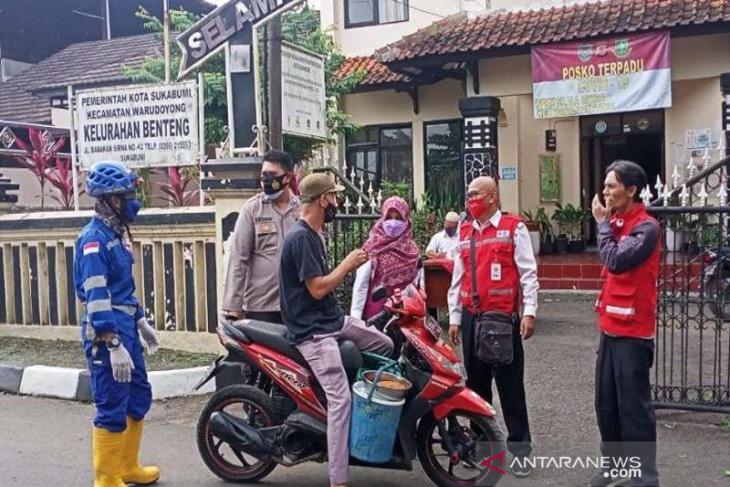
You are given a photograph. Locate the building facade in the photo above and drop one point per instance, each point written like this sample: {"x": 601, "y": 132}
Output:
{"x": 408, "y": 100}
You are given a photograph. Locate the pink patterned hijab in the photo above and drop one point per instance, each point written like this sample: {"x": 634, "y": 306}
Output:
{"x": 394, "y": 260}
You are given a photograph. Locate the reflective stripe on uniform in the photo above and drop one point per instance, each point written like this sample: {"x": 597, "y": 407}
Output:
{"x": 618, "y": 310}
{"x": 90, "y": 333}
{"x": 94, "y": 282}
{"x": 126, "y": 309}
{"x": 110, "y": 245}
{"x": 465, "y": 243}
{"x": 99, "y": 306}
{"x": 500, "y": 291}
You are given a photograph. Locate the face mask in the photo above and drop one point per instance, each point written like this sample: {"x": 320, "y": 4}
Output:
{"x": 273, "y": 186}
{"x": 450, "y": 231}
{"x": 394, "y": 228}
{"x": 330, "y": 212}
{"x": 131, "y": 208}
{"x": 476, "y": 207}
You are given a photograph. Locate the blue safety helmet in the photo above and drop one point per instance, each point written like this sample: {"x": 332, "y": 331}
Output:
{"x": 110, "y": 178}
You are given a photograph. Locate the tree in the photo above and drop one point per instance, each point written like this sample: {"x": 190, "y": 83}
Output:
{"x": 300, "y": 27}
{"x": 152, "y": 70}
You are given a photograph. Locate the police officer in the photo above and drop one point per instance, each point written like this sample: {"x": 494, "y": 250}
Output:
{"x": 112, "y": 325}
{"x": 628, "y": 242}
{"x": 252, "y": 278}
{"x": 505, "y": 269}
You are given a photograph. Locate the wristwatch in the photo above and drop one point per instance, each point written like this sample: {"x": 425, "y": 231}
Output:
{"x": 114, "y": 343}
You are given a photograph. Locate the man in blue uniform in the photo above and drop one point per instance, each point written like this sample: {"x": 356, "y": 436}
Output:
{"x": 113, "y": 328}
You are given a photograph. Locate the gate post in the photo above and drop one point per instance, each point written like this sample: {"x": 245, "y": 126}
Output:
{"x": 479, "y": 148}
{"x": 725, "y": 87}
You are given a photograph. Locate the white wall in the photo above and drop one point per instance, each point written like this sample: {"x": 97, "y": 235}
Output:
{"x": 696, "y": 103}
{"x": 361, "y": 41}
{"x": 10, "y": 68}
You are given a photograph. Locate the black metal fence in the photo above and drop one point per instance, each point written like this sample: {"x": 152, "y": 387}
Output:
{"x": 692, "y": 355}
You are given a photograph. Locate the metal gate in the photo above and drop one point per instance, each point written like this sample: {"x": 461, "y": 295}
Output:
{"x": 692, "y": 354}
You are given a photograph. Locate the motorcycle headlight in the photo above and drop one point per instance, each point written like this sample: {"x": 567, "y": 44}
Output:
{"x": 457, "y": 368}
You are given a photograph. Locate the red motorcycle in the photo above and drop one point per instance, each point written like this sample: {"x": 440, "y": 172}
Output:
{"x": 244, "y": 432}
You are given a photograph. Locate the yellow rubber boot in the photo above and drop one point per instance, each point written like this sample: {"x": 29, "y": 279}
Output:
{"x": 107, "y": 448}
{"x": 132, "y": 472}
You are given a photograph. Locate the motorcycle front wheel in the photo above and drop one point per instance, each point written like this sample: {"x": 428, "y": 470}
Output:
{"x": 250, "y": 404}
{"x": 717, "y": 292}
{"x": 474, "y": 438}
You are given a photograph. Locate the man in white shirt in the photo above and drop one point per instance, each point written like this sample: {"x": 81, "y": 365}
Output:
{"x": 505, "y": 268}
{"x": 444, "y": 243}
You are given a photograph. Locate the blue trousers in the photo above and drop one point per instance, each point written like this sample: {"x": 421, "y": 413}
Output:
{"x": 116, "y": 400}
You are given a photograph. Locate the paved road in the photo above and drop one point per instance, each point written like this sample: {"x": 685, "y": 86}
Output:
{"x": 46, "y": 442}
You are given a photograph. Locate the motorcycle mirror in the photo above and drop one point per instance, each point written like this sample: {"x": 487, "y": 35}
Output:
{"x": 380, "y": 293}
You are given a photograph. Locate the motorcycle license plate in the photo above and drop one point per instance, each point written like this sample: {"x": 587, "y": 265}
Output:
{"x": 433, "y": 327}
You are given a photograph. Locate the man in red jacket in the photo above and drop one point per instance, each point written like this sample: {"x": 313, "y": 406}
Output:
{"x": 505, "y": 277}
{"x": 628, "y": 241}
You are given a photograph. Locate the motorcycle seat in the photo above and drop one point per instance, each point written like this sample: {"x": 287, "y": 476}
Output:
{"x": 273, "y": 335}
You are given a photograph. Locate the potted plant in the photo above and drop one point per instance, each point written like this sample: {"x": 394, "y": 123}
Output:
{"x": 561, "y": 241}
{"x": 547, "y": 243}
{"x": 674, "y": 238}
{"x": 674, "y": 224}
{"x": 574, "y": 217}
{"x": 533, "y": 226}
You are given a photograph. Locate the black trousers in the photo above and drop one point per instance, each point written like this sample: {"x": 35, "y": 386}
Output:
{"x": 623, "y": 402}
{"x": 269, "y": 316}
{"x": 510, "y": 381}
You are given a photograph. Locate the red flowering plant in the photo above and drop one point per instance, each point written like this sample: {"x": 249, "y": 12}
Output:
{"x": 61, "y": 177}
{"x": 177, "y": 190}
{"x": 38, "y": 155}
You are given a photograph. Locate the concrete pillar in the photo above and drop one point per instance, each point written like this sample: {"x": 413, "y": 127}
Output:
{"x": 233, "y": 182}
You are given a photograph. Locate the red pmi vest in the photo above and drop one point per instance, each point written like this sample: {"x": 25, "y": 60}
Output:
{"x": 627, "y": 303}
{"x": 497, "y": 276}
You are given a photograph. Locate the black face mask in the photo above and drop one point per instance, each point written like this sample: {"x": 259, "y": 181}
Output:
{"x": 273, "y": 185}
{"x": 330, "y": 212}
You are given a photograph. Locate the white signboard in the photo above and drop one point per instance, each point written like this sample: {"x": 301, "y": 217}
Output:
{"x": 140, "y": 126}
{"x": 303, "y": 93}
{"x": 697, "y": 138}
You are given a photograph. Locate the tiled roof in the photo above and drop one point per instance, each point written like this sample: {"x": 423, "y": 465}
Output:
{"x": 375, "y": 72}
{"x": 460, "y": 34}
{"x": 83, "y": 64}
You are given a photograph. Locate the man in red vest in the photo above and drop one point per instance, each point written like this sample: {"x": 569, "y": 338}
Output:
{"x": 505, "y": 270}
{"x": 628, "y": 241}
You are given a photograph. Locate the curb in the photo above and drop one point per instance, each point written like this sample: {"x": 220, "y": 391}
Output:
{"x": 75, "y": 384}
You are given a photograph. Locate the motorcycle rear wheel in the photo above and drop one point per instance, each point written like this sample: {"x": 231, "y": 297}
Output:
{"x": 257, "y": 407}
{"x": 466, "y": 430}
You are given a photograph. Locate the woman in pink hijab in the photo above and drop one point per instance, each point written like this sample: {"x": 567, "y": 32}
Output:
{"x": 393, "y": 261}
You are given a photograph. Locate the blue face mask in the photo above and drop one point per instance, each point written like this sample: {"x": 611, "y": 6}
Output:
{"x": 131, "y": 208}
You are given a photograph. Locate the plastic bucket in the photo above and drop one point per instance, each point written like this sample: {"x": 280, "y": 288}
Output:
{"x": 374, "y": 425}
